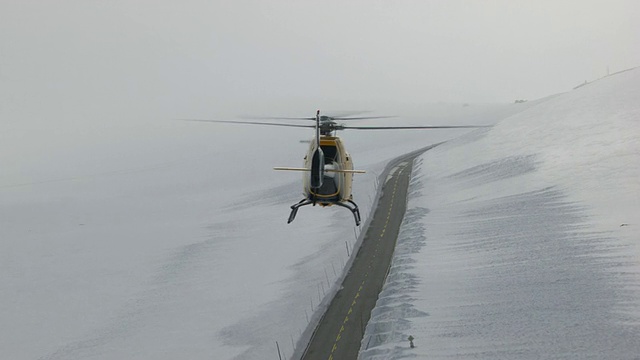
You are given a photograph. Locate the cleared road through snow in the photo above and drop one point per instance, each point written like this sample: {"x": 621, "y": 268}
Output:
{"x": 339, "y": 334}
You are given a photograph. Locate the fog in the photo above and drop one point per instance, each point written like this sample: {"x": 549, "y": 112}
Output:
{"x": 70, "y": 70}
{"x": 105, "y": 195}
{"x": 99, "y": 59}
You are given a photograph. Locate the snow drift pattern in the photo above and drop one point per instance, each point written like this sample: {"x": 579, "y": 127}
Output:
{"x": 522, "y": 253}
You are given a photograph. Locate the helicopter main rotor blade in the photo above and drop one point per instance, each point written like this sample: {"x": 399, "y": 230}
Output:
{"x": 360, "y": 117}
{"x": 250, "y": 123}
{"x": 410, "y": 127}
{"x": 345, "y": 116}
{"x": 278, "y": 118}
{"x": 326, "y": 170}
{"x": 328, "y": 117}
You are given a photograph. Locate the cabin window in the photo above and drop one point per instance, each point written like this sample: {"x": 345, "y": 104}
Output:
{"x": 330, "y": 153}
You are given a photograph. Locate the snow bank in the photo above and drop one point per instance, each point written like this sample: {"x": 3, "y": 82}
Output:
{"x": 521, "y": 241}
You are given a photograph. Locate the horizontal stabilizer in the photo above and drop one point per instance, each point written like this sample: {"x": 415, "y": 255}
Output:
{"x": 345, "y": 171}
{"x": 290, "y": 168}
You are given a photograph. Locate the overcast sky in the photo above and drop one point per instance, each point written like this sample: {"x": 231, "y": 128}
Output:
{"x": 203, "y": 58}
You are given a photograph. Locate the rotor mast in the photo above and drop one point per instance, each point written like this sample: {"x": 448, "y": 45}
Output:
{"x": 317, "y": 160}
{"x": 318, "y": 128}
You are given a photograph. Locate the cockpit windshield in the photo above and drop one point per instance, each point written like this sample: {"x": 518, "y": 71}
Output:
{"x": 330, "y": 153}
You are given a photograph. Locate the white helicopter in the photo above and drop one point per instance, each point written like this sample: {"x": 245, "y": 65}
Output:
{"x": 328, "y": 167}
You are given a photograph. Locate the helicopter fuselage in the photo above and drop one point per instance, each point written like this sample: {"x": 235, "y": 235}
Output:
{"x": 327, "y": 166}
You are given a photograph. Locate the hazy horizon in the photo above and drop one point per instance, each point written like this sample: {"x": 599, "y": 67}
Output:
{"x": 93, "y": 59}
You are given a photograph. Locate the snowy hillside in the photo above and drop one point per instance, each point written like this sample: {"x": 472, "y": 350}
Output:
{"x": 128, "y": 234}
{"x": 523, "y": 241}
{"x": 149, "y": 237}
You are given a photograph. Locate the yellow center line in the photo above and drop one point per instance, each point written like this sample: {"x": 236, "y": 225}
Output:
{"x": 353, "y": 303}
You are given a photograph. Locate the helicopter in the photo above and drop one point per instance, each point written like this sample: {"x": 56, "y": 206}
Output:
{"x": 328, "y": 168}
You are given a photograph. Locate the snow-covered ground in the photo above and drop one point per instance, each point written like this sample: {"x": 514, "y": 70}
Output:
{"x": 125, "y": 234}
{"x": 147, "y": 237}
{"x": 153, "y": 238}
{"x": 139, "y": 236}
{"x": 522, "y": 241}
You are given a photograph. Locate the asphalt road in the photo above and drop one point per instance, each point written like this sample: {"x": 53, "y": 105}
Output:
{"x": 341, "y": 329}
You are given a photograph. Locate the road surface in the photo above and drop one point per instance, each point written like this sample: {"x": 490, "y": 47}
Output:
{"x": 341, "y": 329}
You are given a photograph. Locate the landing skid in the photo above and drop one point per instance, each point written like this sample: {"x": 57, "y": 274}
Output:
{"x": 294, "y": 209}
{"x": 354, "y": 210}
